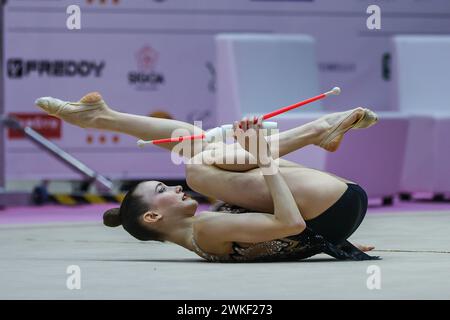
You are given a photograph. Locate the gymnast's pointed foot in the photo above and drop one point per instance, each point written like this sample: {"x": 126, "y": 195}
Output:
{"x": 83, "y": 113}
{"x": 335, "y": 125}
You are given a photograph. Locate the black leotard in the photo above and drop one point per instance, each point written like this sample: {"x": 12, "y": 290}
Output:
{"x": 326, "y": 233}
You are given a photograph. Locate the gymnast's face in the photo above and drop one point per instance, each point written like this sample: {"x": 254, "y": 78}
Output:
{"x": 166, "y": 199}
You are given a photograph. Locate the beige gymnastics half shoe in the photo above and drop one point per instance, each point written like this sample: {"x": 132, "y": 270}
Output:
{"x": 333, "y": 138}
{"x": 79, "y": 113}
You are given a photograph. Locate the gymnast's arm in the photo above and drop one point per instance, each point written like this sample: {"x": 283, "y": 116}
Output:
{"x": 259, "y": 227}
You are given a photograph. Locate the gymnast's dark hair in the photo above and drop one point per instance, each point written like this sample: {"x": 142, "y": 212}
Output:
{"x": 131, "y": 209}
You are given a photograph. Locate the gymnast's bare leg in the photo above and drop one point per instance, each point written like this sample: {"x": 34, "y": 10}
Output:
{"x": 92, "y": 112}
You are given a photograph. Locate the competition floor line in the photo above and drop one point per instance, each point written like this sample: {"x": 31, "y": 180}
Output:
{"x": 34, "y": 258}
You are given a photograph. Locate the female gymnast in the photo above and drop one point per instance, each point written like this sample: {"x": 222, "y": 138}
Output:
{"x": 290, "y": 213}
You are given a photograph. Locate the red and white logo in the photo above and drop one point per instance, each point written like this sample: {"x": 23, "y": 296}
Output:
{"x": 146, "y": 58}
{"x": 146, "y": 77}
{"x": 48, "y": 126}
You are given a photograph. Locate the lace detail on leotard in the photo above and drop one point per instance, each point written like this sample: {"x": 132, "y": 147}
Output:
{"x": 297, "y": 247}
{"x": 263, "y": 251}
{"x": 207, "y": 256}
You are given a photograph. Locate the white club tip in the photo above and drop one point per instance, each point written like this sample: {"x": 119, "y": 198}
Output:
{"x": 336, "y": 91}
{"x": 140, "y": 143}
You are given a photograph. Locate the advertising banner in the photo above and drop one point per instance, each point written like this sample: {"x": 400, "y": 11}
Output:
{"x": 156, "y": 58}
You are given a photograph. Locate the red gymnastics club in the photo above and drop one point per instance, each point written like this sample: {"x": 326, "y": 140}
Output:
{"x": 210, "y": 134}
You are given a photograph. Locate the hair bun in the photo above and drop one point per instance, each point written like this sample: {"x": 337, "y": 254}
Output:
{"x": 111, "y": 218}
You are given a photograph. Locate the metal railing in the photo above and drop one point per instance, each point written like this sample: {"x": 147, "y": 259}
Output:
{"x": 48, "y": 146}
{"x": 36, "y": 138}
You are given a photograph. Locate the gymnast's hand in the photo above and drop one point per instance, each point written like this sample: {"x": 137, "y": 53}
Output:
{"x": 250, "y": 135}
